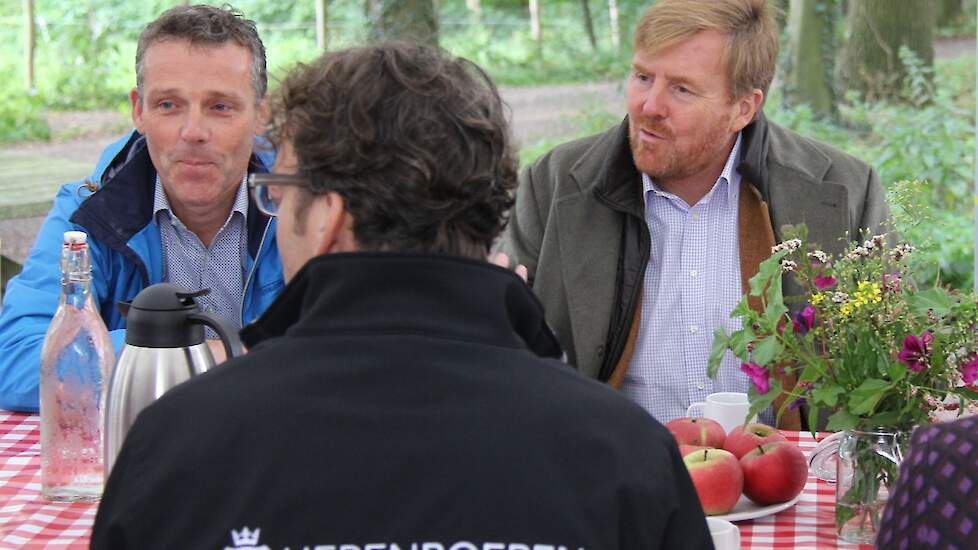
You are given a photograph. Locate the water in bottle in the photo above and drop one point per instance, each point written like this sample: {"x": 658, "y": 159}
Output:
{"x": 76, "y": 364}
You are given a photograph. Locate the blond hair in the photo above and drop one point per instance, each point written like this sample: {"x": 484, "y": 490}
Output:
{"x": 749, "y": 25}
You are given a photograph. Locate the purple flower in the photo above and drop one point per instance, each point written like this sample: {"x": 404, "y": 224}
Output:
{"x": 969, "y": 370}
{"x": 804, "y": 320}
{"x": 824, "y": 281}
{"x": 758, "y": 375}
{"x": 916, "y": 350}
{"x": 796, "y": 403}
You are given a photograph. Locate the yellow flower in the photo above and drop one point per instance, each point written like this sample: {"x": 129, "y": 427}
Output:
{"x": 817, "y": 298}
{"x": 847, "y": 308}
{"x": 868, "y": 293}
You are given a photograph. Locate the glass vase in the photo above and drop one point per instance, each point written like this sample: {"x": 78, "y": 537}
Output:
{"x": 867, "y": 470}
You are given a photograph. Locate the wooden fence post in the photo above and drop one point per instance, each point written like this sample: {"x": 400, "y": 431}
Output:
{"x": 30, "y": 42}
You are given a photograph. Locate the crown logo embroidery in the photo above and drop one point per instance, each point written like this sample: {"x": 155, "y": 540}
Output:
{"x": 246, "y": 539}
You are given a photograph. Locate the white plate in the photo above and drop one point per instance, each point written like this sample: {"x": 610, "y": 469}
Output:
{"x": 748, "y": 509}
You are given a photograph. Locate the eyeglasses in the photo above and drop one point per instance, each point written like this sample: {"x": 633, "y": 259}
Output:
{"x": 267, "y": 192}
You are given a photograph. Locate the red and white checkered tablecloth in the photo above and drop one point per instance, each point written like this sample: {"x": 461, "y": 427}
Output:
{"x": 809, "y": 524}
{"x": 28, "y": 521}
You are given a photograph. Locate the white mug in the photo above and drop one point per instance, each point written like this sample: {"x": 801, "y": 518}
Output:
{"x": 728, "y": 408}
{"x": 725, "y": 535}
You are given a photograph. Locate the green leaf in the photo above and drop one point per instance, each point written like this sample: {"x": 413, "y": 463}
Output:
{"x": 743, "y": 310}
{"x": 897, "y": 371}
{"x": 842, "y": 420}
{"x": 767, "y": 350}
{"x": 775, "y": 310}
{"x": 937, "y": 355}
{"x": 810, "y": 374}
{"x": 863, "y": 399}
{"x": 759, "y": 402}
{"x": 812, "y": 417}
{"x": 967, "y": 393}
{"x": 935, "y": 299}
{"x": 827, "y": 395}
{"x": 720, "y": 344}
{"x": 843, "y": 514}
{"x": 768, "y": 269}
{"x": 799, "y": 231}
{"x": 739, "y": 340}
{"x": 888, "y": 418}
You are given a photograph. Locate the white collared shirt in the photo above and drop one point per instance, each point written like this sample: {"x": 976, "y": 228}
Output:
{"x": 692, "y": 283}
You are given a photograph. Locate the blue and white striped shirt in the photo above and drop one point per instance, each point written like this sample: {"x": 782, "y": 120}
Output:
{"x": 692, "y": 283}
{"x": 219, "y": 267}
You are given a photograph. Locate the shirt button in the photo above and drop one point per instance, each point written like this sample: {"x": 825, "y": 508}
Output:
{"x": 700, "y": 386}
{"x": 693, "y": 273}
{"x": 693, "y": 329}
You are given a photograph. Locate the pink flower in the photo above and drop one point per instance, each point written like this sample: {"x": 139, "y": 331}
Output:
{"x": 891, "y": 282}
{"x": 804, "y": 320}
{"x": 916, "y": 351}
{"x": 758, "y": 375}
{"x": 824, "y": 281}
{"x": 969, "y": 370}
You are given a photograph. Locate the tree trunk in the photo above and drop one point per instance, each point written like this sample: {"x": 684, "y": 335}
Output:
{"x": 30, "y": 44}
{"x": 322, "y": 27}
{"x": 948, "y": 12}
{"x": 589, "y": 24}
{"x": 870, "y": 62}
{"x": 808, "y": 57}
{"x": 411, "y": 20}
{"x": 535, "y": 31}
{"x": 613, "y": 21}
{"x": 475, "y": 6}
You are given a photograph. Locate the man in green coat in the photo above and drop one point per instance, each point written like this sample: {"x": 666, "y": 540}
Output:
{"x": 640, "y": 240}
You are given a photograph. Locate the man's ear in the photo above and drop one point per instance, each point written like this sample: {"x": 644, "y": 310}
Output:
{"x": 747, "y": 106}
{"x": 331, "y": 224}
{"x": 137, "y": 109}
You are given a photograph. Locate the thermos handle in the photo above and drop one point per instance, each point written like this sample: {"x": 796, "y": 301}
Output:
{"x": 228, "y": 334}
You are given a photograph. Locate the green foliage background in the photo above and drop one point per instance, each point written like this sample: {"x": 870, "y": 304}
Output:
{"x": 922, "y": 146}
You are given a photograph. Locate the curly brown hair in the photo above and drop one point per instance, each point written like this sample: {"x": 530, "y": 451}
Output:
{"x": 414, "y": 140}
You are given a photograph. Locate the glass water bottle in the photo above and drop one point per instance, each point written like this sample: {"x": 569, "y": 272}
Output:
{"x": 76, "y": 362}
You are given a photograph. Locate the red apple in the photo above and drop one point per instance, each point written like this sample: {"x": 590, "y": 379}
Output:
{"x": 743, "y": 439}
{"x": 717, "y": 477}
{"x": 697, "y": 431}
{"x": 774, "y": 472}
{"x": 686, "y": 449}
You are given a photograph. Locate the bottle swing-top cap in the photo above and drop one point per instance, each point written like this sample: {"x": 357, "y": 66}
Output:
{"x": 76, "y": 237}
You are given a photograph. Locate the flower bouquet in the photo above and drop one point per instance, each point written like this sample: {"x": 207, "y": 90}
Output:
{"x": 864, "y": 345}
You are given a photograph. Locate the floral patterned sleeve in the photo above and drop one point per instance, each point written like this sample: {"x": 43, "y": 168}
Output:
{"x": 935, "y": 502}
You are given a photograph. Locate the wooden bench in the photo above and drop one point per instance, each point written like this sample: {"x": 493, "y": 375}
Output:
{"x": 28, "y": 184}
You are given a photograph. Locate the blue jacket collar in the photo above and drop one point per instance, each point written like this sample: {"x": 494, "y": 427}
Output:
{"x": 123, "y": 204}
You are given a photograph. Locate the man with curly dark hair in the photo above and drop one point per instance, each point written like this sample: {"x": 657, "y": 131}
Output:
{"x": 402, "y": 393}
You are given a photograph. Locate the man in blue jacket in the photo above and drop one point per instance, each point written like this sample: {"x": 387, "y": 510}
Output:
{"x": 168, "y": 202}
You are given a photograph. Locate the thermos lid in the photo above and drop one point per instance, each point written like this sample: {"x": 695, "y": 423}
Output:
{"x": 159, "y": 317}
{"x": 166, "y": 297}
